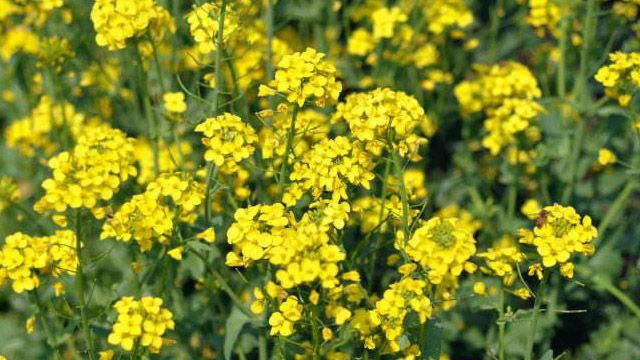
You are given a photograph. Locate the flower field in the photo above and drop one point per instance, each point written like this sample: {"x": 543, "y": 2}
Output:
{"x": 319, "y": 179}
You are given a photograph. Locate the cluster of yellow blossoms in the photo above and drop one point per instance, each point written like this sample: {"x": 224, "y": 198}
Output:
{"x": 282, "y": 322}
{"x": 94, "y": 170}
{"x": 53, "y": 51}
{"x": 502, "y": 259}
{"x": 404, "y": 296}
{"x": 117, "y": 21}
{"x": 384, "y": 117}
{"x": 141, "y": 322}
{"x": 36, "y": 131}
{"x": 309, "y": 255}
{"x": 385, "y": 20}
{"x": 545, "y": 16}
{"x": 506, "y": 93}
{"x": 442, "y": 15}
{"x": 330, "y": 166}
{"x": 148, "y": 216}
{"x": 256, "y": 230}
{"x": 621, "y": 78}
{"x": 305, "y": 76}
{"x": 559, "y": 233}
{"x": 22, "y": 257}
{"x": 441, "y": 247}
{"x": 204, "y": 24}
{"x": 228, "y": 141}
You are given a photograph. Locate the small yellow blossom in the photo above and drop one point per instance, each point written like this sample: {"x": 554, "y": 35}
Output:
{"x": 606, "y": 157}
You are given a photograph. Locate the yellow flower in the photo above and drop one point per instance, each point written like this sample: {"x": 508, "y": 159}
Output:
{"x": 30, "y": 323}
{"x": 228, "y": 141}
{"x": 208, "y": 235}
{"x": 606, "y": 157}
{"x": 80, "y": 177}
{"x": 305, "y": 76}
{"x": 560, "y": 232}
{"x": 58, "y": 288}
{"x": 204, "y": 24}
{"x": 150, "y": 216}
{"x": 23, "y": 258}
{"x": 530, "y": 208}
{"x": 385, "y": 20}
{"x": 441, "y": 246}
{"x": 402, "y": 297}
{"x": 106, "y": 355}
{"x": 522, "y": 293}
{"x": 141, "y": 321}
{"x": 117, "y": 21}
{"x": 176, "y": 253}
{"x": 479, "y": 288}
{"x": 174, "y": 102}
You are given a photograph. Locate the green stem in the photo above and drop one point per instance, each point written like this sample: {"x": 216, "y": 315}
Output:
{"x": 35, "y": 298}
{"x": 534, "y": 318}
{"x": 80, "y": 287}
{"x": 397, "y": 162}
{"x": 262, "y": 346}
{"x": 562, "y": 66}
{"x": 501, "y": 324}
{"x": 617, "y": 293}
{"x": 495, "y": 28}
{"x": 287, "y": 151}
{"x": 219, "y": 59}
{"x": 511, "y": 206}
{"x": 211, "y": 174}
{"x": 591, "y": 22}
{"x": 149, "y": 113}
{"x": 575, "y": 153}
{"x": 315, "y": 329}
{"x": 383, "y": 198}
{"x": 270, "y": 30}
{"x": 616, "y": 207}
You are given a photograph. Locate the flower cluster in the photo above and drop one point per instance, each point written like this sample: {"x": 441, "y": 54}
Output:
{"x": 442, "y": 15}
{"x": 117, "y": 21}
{"x": 545, "y": 15}
{"x": 53, "y": 51}
{"x": 149, "y": 216}
{"x": 441, "y": 246}
{"x": 34, "y": 132}
{"x": 256, "y": 230}
{"x": 204, "y": 24}
{"x": 559, "y": 233}
{"x": 384, "y": 116}
{"x": 506, "y": 92}
{"x": 385, "y": 20}
{"x": 305, "y": 76}
{"x": 309, "y": 255}
{"x": 402, "y": 297}
{"x": 621, "y": 78}
{"x": 94, "y": 170}
{"x": 330, "y": 166}
{"x": 282, "y": 322}
{"x": 228, "y": 141}
{"x": 502, "y": 259}
{"x": 22, "y": 257}
{"x": 141, "y": 322}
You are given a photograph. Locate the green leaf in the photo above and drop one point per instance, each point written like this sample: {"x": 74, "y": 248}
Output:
{"x": 548, "y": 355}
{"x": 235, "y": 322}
{"x": 433, "y": 342}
